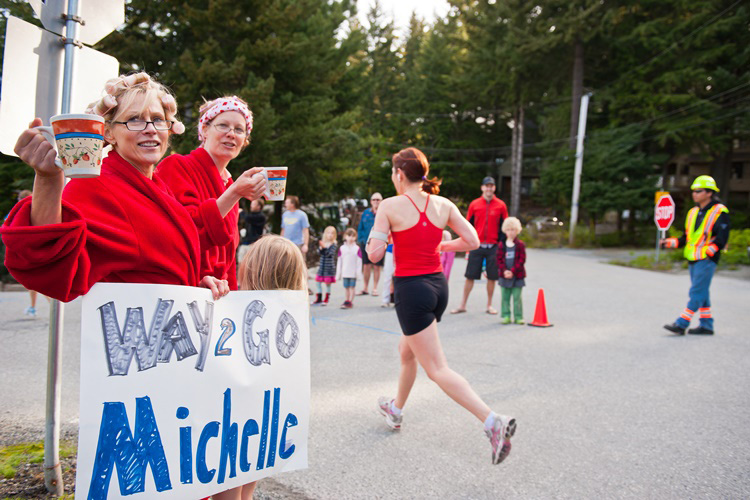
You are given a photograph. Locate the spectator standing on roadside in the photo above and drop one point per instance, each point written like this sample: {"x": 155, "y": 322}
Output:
{"x": 363, "y": 232}
{"x": 294, "y": 224}
{"x": 254, "y": 225}
{"x": 486, "y": 214}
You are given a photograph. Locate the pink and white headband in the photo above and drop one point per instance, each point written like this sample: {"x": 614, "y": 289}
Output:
{"x": 225, "y": 104}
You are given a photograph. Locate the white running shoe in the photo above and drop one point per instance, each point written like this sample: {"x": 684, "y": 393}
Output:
{"x": 384, "y": 407}
{"x": 502, "y": 430}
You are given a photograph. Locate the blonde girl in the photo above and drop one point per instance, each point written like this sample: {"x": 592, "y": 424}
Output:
{"x": 327, "y": 268}
{"x": 271, "y": 263}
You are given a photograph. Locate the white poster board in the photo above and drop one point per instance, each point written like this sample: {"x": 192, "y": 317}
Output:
{"x": 183, "y": 396}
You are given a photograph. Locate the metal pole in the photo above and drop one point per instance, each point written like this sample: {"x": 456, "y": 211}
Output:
{"x": 658, "y": 234}
{"x": 52, "y": 470}
{"x": 579, "y": 165}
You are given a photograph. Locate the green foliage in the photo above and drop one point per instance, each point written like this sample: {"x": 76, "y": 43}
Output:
{"x": 13, "y": 456}
{"x": 736, "y": 251}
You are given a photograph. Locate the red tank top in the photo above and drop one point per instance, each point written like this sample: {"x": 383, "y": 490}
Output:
{"x": 415, "y": 250}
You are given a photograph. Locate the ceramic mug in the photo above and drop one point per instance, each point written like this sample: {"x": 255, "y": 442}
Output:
{"x": 79, "y": 140}
{"x": 276, "y": 178}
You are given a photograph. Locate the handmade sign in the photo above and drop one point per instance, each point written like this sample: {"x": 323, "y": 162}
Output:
{"x": 183, "y": 396}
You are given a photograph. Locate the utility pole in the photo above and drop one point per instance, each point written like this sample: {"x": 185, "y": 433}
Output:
{"x": 579, "y": 165}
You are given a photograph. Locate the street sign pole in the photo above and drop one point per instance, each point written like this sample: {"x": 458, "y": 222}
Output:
{"x": 52, "y": 469}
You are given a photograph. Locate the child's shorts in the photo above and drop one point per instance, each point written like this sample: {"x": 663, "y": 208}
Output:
{"x": 350, "y": 282}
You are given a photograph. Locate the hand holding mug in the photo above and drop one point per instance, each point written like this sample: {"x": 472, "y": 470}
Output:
{"x": 37, "y": 152}
{"x": 251, "y": 183}
{"x": 79, "y": 140}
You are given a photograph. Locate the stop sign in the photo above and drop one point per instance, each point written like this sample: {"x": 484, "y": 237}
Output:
{"x": 664, "y": 212}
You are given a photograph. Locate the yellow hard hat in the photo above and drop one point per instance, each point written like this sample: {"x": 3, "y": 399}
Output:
{"x": 705, "y": 182}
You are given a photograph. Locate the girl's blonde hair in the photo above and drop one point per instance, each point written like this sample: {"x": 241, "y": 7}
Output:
{"x": 512, "y": 222}
{"x": 330, "y": 229}
{"x": 273, "y": 263}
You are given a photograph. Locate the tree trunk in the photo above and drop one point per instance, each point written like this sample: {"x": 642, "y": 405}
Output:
{"x": 575, "y": 108}
{"x": 721, "y": 170}
{"x": 513, "y": 151}
{"x": 515, "y": 190}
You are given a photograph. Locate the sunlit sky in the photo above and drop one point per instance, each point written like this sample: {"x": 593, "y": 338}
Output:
{"x": 401, "y": 10}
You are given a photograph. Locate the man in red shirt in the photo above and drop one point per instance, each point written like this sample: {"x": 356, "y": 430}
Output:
{"x": 486, "y": 213}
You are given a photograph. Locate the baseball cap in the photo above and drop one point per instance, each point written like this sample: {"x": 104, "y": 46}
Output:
{"x": 488, "y": 180}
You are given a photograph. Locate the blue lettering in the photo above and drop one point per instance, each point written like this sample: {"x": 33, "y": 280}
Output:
{"x": 264, "y": 431}
{"x": 228, "y": 440}
{"x": 249, "y": 429}
{"x": 204, "y": 475}
{"x": 116, "y": 446}
{"x": 274, "y": 428}
{"x": 186, "y": 448}
{"x": 284, "y": 451}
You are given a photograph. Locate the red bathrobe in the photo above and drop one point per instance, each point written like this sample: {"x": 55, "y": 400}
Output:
{"x": 196, "y": 183}
{"x": 120, "y": 227}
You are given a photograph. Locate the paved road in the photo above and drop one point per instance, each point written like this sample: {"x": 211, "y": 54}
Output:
{"x": 608, "y": 404}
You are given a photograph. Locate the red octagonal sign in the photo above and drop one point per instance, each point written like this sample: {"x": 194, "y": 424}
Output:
{"x": 664, "y": 212}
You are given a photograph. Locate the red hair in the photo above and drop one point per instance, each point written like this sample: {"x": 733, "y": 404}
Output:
{"x": 414, "y": 165}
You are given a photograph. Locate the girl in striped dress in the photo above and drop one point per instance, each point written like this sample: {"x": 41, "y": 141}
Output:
{"x": 327, "y": 267}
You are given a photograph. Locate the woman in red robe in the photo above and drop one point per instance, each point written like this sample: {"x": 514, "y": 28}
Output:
{"x": 202, "y": 183}
{"x": 124, "y": 226}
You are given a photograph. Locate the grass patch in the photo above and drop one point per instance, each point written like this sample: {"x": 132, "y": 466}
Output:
{"x": 13, "y": 456}
{"x": 646, "y": 262}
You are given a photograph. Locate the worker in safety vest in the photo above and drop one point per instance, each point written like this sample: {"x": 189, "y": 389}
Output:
{"x": 706, "y": 233}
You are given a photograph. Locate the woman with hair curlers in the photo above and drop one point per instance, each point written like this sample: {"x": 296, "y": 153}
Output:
{"x": 124, "y": 226}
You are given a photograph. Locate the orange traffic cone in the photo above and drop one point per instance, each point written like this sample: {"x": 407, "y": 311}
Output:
{"x": 540, "y": 315}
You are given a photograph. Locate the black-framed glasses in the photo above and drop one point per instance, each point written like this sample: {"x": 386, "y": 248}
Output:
{"x": 699, "y": 191}
{"x": 138, "y": 125}
{"x": 224, "y": 129}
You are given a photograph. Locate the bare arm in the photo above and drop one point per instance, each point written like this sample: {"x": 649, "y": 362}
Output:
{"x": 39, "y": 154}
{"x": 305, "y": 239}
{"x": 376, "y": 248}
{"x": 467, "y": 235}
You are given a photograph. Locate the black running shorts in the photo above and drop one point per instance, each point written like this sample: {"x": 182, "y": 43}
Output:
{"x": 420, "y": 300}
{"x": 477, "y": 258}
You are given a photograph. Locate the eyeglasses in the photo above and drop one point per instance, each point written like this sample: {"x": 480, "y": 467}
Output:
{"x": 224, "y": 129}
{"x": 138, "y": 125}
{"x": 699, "y": 191}
{"x": 376, "y": 199}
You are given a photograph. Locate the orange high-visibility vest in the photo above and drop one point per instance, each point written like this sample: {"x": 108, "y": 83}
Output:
{"x": 700, "y": 240}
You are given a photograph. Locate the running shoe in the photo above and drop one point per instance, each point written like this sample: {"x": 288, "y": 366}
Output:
{"x": 505, "y": 321}
{"x": 520, "y": 322}
{"x": 30, "y": 311}
{"x": 502, "y": 430}
{"x": 384, "y": 407}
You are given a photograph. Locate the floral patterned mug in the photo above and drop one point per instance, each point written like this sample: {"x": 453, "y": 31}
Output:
{"x": 79, "y": 140}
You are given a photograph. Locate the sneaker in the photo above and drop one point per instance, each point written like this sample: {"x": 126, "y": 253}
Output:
{"x": 30, "y": 311}
{"x": 675, "y": 328}
{"x": 505, "y": 321}
{"x": 701, "y": 330}
{"x": 520, "y": 322}
{"x": 502, "y": 430}
{"x": 345, "y": 305}
{"x": 384, "y": 407}
{"x": 348, "y": 304}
